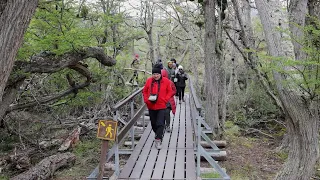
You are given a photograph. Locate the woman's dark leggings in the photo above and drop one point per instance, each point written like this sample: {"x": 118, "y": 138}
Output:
{"x": 157, "y": 122}
{"x": 177, "y": 89}
{"x": 181, "y": 92}
{"x": 167, "y": 117}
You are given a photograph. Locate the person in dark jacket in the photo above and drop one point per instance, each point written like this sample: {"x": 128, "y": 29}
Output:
{"x": 181, "y": 84}
{"x": 175, "y": 79}
{"x": 135, "y": 65}
{"x": 175, "y": 62}
{"x": 156, "y": 94}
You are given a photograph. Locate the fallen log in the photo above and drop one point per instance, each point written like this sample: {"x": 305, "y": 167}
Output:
{"x": 146, "y": 118}
{"x": 220, "y": 156}
{"x": 47, "y": 144}
{"x": 137, "y": 128}
{"x": 129, "y": 143}
{"x": 72, "y": 139}
{"x": 140, "y": 124}
{"x": 210, "y": 170}
{"x": 109, "y": 166}
{"x": 46, "y": 168}
{"x": 18, "y": 160}
{"x": 220, "y": 144}
{"x": 136, "y": 136}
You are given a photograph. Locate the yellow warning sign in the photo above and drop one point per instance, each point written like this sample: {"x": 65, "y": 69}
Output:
{"x": 107, "y": 130}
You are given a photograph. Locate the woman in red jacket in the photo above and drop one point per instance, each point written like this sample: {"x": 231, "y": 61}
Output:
{"x": 156, "y": 94}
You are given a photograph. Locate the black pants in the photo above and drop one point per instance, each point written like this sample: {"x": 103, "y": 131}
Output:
{"x": 135, "y": 75}
{"x": 180, "y": 91}
{"x": 157, "y": 122}
{"x": 175, "y": 84}
{"x": 167, "y": 116}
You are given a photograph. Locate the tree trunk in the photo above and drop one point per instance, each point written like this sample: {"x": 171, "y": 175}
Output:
{"x": 211, "y": 78}
{"x": 314, "y": 8}
{"x": 46, "y": 168}
{"x": 148, "y": 27}
{"x": 248, "y": 42}
{"x": 297, "y": 16}
{"x": 301, "y": 115}
{"x": 14, "y": 20}
{"x": 151, "y": 48}
{"x": 221, "y": 73}
{"x": 157, "y": 48}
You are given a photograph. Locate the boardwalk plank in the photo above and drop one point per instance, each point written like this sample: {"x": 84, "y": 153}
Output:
{"x": 189, "y": 131}
{"x": 137, "y": 170}
{"x": 169, "y": 167}
{"x": 182, "y": 137}
{"x": 190, "y": 158}
{"x": 125, "y": 173}
{"x": 156, "y": 160}
{"x": 180, "y": 160}
{"x": 162, "y": 157}
{"x": 176, "y": 159}
{"x": 171, "y": 157}
{"x": 190, "y": 165}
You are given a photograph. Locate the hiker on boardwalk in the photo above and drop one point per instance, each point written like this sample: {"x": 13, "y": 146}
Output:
{"x": 156, "y": 94}
{"x": 171, "y": 105}
{"x": 175, "y": 62}
{"x": 175, "y": 79}
{"x": 181, "y": 83}
{"x": 170, "y": 70}
{"x": 135, "y": 65}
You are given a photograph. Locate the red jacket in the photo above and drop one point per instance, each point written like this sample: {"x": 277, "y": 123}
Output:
{"x": 164, "y": 74}
{"x": 165, "y": 93}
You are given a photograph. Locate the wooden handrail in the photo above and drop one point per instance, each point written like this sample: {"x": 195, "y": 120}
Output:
{"x": 126, "y": 100}
{"x": 131, "y": 122}
{"x": 194, "y": 95}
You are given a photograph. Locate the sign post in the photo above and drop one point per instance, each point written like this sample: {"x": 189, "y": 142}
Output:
{"x": 107, "y": 131}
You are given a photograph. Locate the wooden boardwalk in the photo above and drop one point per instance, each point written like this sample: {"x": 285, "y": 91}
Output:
{"x": 175, "y": 160}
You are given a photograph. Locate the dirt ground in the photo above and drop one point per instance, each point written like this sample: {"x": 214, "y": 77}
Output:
{"x": 252, "y": 159}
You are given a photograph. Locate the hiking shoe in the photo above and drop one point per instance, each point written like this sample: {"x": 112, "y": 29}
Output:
{"x": 158, "y": 143}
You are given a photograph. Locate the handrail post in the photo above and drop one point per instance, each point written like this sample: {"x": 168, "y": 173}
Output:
{"x": 143, "y": 119}
{"x": 198, "y": 146}
{"x": 132, "y": 128}
{"x": 116, "y": 154}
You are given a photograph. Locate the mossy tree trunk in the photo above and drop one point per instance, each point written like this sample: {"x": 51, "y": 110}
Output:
{"x": 302, "y": 115}
{"x": 14, "y": 20}
{"x": 211, "y": 70}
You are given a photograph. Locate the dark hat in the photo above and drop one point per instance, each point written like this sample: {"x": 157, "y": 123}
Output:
{"x": 157, "y": 68}
{"x": 158, "y": 65}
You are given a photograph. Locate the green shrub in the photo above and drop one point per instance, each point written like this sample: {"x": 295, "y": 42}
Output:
{"x": 210, "y": 175}
{"x": 3, "y": 177}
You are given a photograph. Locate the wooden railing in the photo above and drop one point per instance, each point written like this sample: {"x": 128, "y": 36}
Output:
{"x": 134, "y": 117}
{"x": 123, "y": 132}
{"x": 198, "y": 122}
{"x": 194, "y": 97}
